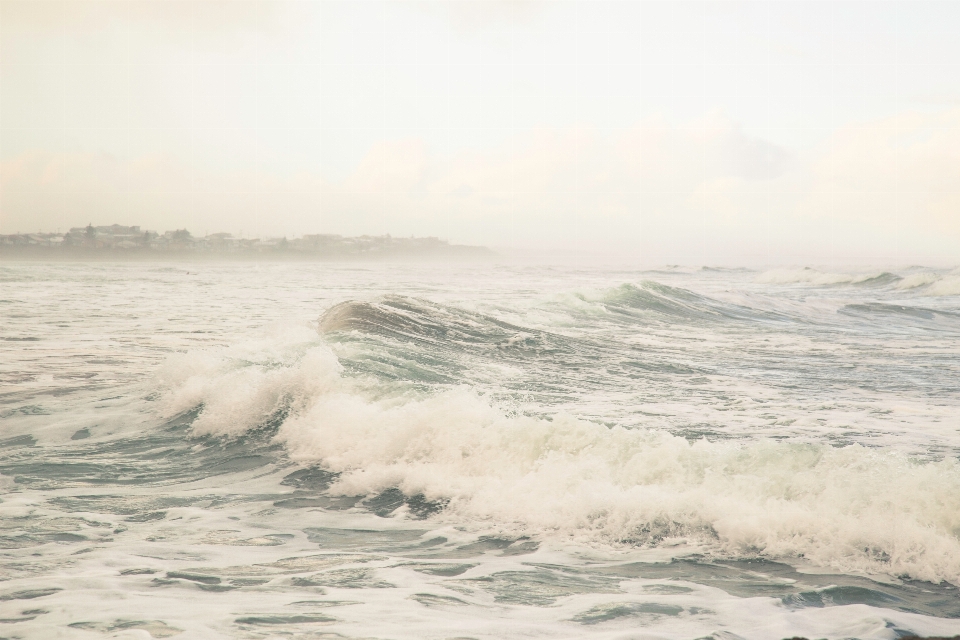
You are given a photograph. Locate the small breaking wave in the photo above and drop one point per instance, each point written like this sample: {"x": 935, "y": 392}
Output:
{"x": 924, "y": 282}
{"x": 946, "y": 286}
{"x": 915, "y": 280}
{"x": 932, "y": 284}
{"x": 823, "y": 278}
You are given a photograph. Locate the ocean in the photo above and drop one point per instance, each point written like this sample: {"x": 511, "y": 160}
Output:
{"x": 487, "y": 451}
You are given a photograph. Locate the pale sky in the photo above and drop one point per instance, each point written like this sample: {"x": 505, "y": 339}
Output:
{"x": 672, "y": 132}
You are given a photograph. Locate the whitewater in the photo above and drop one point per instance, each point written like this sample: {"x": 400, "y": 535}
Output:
{"x": 256, "y": 450}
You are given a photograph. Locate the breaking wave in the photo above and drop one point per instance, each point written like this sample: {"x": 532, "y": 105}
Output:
{"x": 823, "y": 278}
{"x": 946, "y": 286}
{"x": 932, "y": 284}
{"x": 915, "y": 280}
{"x": 417, "y": 320}
{"x": 924, "y": 282}
{"x": 850, "y": 508}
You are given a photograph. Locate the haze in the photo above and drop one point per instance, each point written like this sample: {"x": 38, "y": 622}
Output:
{"x": 666, "y": 132}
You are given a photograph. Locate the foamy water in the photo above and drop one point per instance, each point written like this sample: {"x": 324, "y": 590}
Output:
{"x": 245, "y": 450}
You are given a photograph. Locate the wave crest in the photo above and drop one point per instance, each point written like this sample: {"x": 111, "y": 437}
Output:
{"x": 675, "y": 303}
{"x": 946, "y": 286}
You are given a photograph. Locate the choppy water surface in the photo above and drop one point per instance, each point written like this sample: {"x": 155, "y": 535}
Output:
{"x": 234, "y": 451}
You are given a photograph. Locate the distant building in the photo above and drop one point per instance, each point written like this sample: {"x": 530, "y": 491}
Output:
{"x": 124, "y": 240}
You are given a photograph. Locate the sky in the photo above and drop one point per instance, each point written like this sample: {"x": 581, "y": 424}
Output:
{"x": 727, "y": 133}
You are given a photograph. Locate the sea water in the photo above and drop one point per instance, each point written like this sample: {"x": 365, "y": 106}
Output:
{"x": 487, "y": 451}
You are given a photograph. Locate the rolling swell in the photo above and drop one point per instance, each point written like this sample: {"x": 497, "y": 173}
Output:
{"x": 654, "y": 300}
{"x": 424, "y": 342}
{"x": 405, "y": 318}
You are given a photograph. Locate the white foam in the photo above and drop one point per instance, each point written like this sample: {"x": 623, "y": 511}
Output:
{"x": 242, "y": 386}
{"x": 850, "y": 508}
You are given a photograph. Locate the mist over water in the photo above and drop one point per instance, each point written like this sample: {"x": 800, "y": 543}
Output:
{"x": 478, "y": 451}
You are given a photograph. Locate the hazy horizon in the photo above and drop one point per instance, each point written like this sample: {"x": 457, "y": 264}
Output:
{"x": 660, "y": 132}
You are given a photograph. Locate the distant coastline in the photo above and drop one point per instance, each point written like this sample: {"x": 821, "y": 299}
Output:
{"x": 118, "y": 242}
